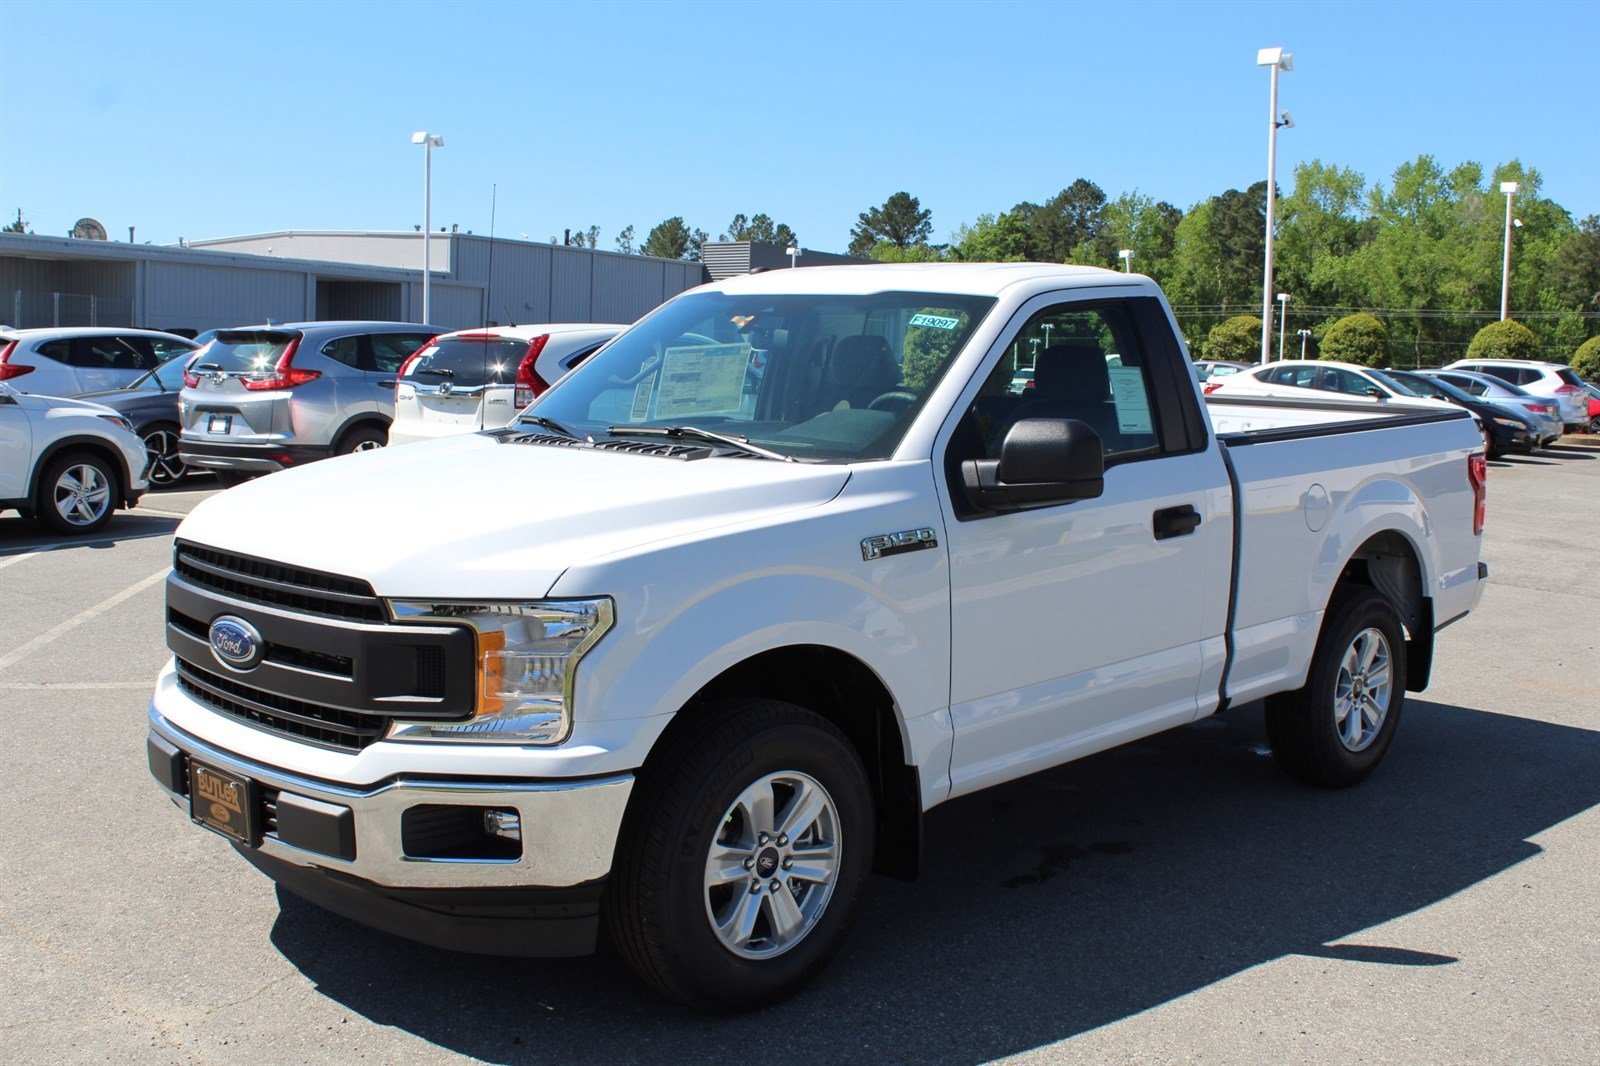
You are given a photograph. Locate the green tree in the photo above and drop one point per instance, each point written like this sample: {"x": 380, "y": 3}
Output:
{"x": 1357, "y": 338}
{"x": 625, "y": 240}
{"x": 1574, "y": 274}
{"x": 1065, "y": 226}
{"x": 885, "y": 252}
{"x": 991, "y": 239}
{"x": 579, "y": 238}
{"x": 760, "y": 229}
{"x": 1142, "y": 224}
{"x": 1509, "y": 339}
{"x": 1237, "y": 339}
{"x": 673, "y": 239}
{"x": 901, "y": 222}
{"x": 19, "y": 226}
{"x": 1586, "y": 360}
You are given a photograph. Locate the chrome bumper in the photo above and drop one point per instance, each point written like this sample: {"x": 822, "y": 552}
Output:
{"x": 569, "y": 828}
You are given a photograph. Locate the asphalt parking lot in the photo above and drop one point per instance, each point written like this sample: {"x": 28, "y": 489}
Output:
{"x": 1178, "y": 899}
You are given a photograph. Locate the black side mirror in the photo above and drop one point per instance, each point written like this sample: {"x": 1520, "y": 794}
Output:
{"x": 1376, "y": 393}
{"x": 1043, "y": 461}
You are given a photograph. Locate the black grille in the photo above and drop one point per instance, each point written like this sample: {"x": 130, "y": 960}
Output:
{"x": 311, "y": 722}
{"x": 242, "y": 577}
{"x": 304, "y": 658}
{"x": 665, "y": 451}
{"x": 269, "y": 811}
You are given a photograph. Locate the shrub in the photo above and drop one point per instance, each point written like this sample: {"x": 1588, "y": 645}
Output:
{"x": 1357, "y": 338}
{"x": 1237, "y": 338}
{"x": 1586, "y": 360}
{"x": 1508, "y": 339}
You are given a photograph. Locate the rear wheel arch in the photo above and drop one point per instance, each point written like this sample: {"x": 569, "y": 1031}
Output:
{"x": 357, "y": 424}
{"x": 845, "y": 691}
{"x": 1390, "y": 562}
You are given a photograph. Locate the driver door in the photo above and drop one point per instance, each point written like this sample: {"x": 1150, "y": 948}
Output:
{"x": 1082, "y": 625}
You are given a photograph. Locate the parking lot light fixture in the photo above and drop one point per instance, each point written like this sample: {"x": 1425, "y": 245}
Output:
{"x": 1510, "y": 189}
{"x": 1126, "y": 255}
{"x": 1279, "y": 61}
{"x": 1305, "y": 335}
{"x": 1283, "y": 321}
{"x": 429, "y": 142}
{"x": 794, "y": 252}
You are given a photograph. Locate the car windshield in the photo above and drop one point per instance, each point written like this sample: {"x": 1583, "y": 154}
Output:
{"x": 1400, "y": 385}
{"x": 247, "y": 351}
{"x": 168, "y": 377}
{"x": 814, "y": 377}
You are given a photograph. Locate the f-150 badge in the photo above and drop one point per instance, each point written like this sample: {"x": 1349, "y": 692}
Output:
{"x": 908, "y": 540}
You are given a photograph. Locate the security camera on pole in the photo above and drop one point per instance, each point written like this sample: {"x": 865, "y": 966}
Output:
{"x": 1278, "y": 60}
{"x": 429, "y": 142}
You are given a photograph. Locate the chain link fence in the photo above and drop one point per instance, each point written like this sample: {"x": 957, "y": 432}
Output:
{"x": 29, "y": 309}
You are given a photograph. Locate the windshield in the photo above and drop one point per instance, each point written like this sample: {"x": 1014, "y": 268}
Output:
{"x": 1437, "y": 390}
{"x": 469, "y": 361}
{"x": 168, "y": 377}
{"x": 814, "y": 377}
{"x": 247, "y": 351}
{"x": 1403, "y": 387}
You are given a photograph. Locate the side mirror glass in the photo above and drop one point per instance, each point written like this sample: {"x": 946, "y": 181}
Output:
{"x": 1043, "y": 461}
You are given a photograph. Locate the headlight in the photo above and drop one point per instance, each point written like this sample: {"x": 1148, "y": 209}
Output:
{"x": 527, "y": 657}
{"x": 1509, "y": 423}
{"x": 119, "y": 422}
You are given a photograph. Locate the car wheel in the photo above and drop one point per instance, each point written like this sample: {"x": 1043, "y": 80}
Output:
{"x": 161, "y": 444}
{"x": 745, "y": 846}
{"x": 77, "y": 493}
{"x": 1594, "y": 424}
{"x": 1334, "y": 731}
{"x": 362, "y": 439}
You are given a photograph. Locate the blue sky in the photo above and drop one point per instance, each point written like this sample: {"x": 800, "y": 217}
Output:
{"x": 210, "y": 119}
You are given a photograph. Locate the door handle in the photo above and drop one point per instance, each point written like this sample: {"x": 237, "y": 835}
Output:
{"x": 1175, "y": 521}
{"x": 386, "y": 384}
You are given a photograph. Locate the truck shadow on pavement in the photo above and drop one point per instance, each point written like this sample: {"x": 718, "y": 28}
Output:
{"x": 1048, "y": 907}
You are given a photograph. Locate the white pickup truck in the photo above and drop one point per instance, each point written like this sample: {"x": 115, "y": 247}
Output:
{"x": 688, "y": 649}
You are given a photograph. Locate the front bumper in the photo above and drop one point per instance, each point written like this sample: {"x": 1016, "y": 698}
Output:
{"x": 356, "y": 863}
{"x": 249, "y": 458}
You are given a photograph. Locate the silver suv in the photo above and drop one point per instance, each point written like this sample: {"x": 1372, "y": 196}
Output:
{"x": 261, "y": 398}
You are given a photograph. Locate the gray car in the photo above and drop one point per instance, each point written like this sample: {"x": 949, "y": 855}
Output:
{"x": 262, "y": 398}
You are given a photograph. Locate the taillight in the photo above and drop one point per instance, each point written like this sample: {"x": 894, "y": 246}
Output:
{"x": 1209, "y": 387}
{"x": 1567, "y": 390}
{"x": 285, "y": 375}
{"x": 8, "y": 369}
{"x": 1478, "y": 475}
{"x": 410, "y": 361}
{"x": 529, "y": 383}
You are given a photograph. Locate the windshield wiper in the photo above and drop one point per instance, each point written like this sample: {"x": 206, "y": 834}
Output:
{"x": 443, "y": 372}
{"x": 549, "y": 423}
{"x": 676, "y": 432}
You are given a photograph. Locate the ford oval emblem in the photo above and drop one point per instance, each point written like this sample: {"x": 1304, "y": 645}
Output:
{"x": 236, "y": 643}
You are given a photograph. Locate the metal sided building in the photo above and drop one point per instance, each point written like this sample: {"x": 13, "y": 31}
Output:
{"x": 297, "y": 276}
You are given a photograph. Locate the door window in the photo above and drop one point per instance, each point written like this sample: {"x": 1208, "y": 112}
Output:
{"x": 165, "y": 349}
{"x": 390, "y": 350}
{"x": 109, "y": 353}
{"x": 1088, "y": 365}
{"x": 1335, "y": 379}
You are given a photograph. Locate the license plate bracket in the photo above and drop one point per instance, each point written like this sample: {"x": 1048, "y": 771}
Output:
{"x": 223, "y": 802}
{"x": 219, "y": 424}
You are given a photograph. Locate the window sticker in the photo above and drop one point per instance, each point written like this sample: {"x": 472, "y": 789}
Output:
{"x": 702, "y": 379}
{"x": 1133, "y": 406}
{"x": 935, "y": 321}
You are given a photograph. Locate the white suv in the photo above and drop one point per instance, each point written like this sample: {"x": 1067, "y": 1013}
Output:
{"x": 67, "y": 463}
{"x": 1555, "y": 380}
{"x": 65, "y": 362}
{"x": 480, "y": 378}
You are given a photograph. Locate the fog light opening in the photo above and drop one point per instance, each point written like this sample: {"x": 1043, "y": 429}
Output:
{"x": 504, "y": 824}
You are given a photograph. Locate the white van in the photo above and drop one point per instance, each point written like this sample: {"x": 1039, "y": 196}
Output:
{"x": 480, "y": 378}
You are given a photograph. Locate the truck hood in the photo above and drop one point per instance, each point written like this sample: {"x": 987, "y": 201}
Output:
{"x": 470, "y": 517}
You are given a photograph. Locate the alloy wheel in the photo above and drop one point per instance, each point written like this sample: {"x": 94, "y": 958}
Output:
{"x": 1363, "y": 689}
{"x": 82, "y": 494}
{"x": 772, "y": 865}
{"x": 165, "y": 467}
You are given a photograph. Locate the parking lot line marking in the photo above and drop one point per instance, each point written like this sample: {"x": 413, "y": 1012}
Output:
{"x": 72, "y": 686}
{"x": 163, "y": 514}
{"x": 17, "y": 654}
{"x": 13, "y": 559}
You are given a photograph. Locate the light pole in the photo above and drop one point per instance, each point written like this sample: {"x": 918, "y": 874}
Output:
{"x": 1279, "y": 61}
{"x": 1510, "y": 189}
{"x": 429, "y": 142}
{"x": 1283, "y": 321}
{"x": 1047, "y": 327}
{"x": 1305, "y": 335}
{"x": 794, "y": 255}
{"x": 1126, "y": 255}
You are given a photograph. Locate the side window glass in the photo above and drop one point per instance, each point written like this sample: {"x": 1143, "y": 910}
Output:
{"x": 1087, "y": 364}
{"x": 346, "y": 350}
{"x": 165, "y": 350}
{"x": 389, "y": 350}
{"x": 108, "y": 353}
{"x": 57, "y": 350}
{"x": 1504, "y": 373}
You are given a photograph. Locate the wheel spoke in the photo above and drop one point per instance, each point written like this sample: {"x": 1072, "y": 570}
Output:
{"x": 758, "y": 805}
{"x": 68, "y": 482}
{"x": 783, "y": 914}
{"x": 814, "y": 863}
{"x": 1369, "y": 648}
{"x": 740, "y": 922}
{"x": 1379, "y": 677}
{"x": 1373, "y": 710}
{"x": 726, "y": 865}
{"x": 802, "y": 811}
{"x": 1352, "y": 725}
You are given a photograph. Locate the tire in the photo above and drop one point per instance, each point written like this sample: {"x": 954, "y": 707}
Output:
{"x": 1309, "y": 738}
{"x": 77, "y": 493}
{"x": 161, "y": 444}
{"x": 362, "y": 439}
{"x": 693, "y": 806}
{"x": 1594, "y": 424}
